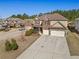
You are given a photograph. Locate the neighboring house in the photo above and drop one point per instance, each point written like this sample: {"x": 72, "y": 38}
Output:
{"x": 15, "y": 22}
{"x": 1, "y": 27}
{"x": 51, "y": 24}
{"x": 28, "y": 23}
{"x": 77, "y": 24}
{"x": 4, "y": 26}
{"x": 71, "y": 26}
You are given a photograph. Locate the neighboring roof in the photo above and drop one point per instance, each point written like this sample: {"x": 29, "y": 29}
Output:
{"x": 14, "y": 19}
{"x": 28, "y": 22}
{"x": 54, "y": 17}
{"x": 29, "y": 19}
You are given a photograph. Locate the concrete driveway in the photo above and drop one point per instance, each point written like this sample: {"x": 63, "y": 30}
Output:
{"x": 47, "y": 47}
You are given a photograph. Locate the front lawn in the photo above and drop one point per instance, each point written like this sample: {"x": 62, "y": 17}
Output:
{"x": 23, "y": 41}
{"x": 73, "y": 43}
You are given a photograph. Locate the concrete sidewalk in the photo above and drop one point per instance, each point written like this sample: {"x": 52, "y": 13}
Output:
{"x": 47, "y": 47}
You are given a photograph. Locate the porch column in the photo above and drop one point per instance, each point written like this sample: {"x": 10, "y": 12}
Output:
{"x": 39, "y": 30}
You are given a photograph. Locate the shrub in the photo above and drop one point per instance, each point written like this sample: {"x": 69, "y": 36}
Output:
{"x": 8, "y": 46}
{"x": 14, "y": 45}
{"x": 11, "y": 46}
{"x": 29, "y": 32}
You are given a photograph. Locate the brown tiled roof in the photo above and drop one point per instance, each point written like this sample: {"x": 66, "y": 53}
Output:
{"x": 54, "y": 17}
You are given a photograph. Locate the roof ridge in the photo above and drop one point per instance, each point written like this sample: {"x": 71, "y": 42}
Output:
{"x": 54, "y": 16}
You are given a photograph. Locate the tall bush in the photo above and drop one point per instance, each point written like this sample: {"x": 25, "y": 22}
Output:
{"x": 29, "y": 32}
{"x": 11, "y": 45}
{"x": 14, "y": 44}
{"x": 8, "y": 46}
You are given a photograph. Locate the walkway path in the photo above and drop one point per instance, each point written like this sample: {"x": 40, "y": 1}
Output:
{"x": 47, "y": 47}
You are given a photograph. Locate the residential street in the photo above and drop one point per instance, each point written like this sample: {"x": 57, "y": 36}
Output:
{"x": 10, "y": 34}
{"x": 47, "y": 47}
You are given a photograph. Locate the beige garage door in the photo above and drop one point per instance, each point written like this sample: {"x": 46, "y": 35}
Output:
{"x": 57, "y": 33}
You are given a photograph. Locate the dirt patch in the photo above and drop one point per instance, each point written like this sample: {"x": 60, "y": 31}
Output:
{"x": 73, "y": 43}
{"x": 23, "y": 41}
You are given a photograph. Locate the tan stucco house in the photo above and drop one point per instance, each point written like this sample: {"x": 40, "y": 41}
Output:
{"x": 51, "y": 24}
{"x": 28, "y": 24}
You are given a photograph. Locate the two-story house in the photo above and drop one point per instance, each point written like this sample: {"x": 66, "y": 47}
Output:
{"x": 51, "y": 24}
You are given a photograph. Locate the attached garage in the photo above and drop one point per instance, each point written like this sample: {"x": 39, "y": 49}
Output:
{"x": 57, "y": 33}
{"x": 54, "y": 32}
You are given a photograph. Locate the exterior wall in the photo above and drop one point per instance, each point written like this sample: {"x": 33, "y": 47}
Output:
{"x": 28, "y": 27}
{"x": 57, "y": 33}
{"x": 40, "y": 22}
{"x": 46, "y": 32}
{"x": 52, "y": 22}
{"x": 58, "y": 25}
{"x": 65, "y": 23}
